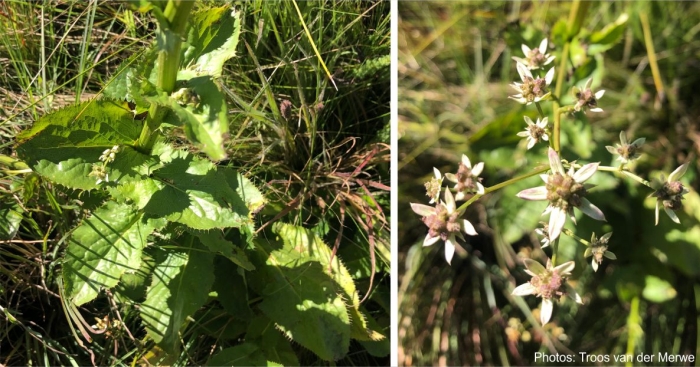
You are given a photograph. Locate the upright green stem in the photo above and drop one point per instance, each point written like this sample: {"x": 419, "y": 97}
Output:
{"x": 171, "y": 31}
{"x": 576, "y": 15}
{"x": 501, "y": 185}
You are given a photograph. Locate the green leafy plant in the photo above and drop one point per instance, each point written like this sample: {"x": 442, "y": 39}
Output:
{"x": 168, "y": 229}
{"x": 459, "y": 115}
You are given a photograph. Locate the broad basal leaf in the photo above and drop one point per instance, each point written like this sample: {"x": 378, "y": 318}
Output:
{"x": 191, "y": 191}
{"x": 216, "y": 242}
{"x": 304, "y": 301}
{"x": 103, "y": 247}
{"x": 182, "y": 279}
{"x": 308, "y": 244}
{"x": 63, "y": 145}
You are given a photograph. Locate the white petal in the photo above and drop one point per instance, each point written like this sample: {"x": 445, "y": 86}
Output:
{"x": 549, "y": 76}
{"x": 545, "y": 137}
{"x": 535, "y": 193}
{"x": 528, "y": 121}
{"x": 437, "y": 173}
{"x": 422, "y": 209}
{"x": 542, "y": 123}
{"x": 549, "y": 60}
{"x": 543, "y": 46}
{"x": 585, "y": 172}
{"x": 591, "y": 210}
{"x": 449, "y": 249}
{"x": 519, "y": 60}
{"x": 606, "y": 237}
{"x": 639, "y": 141}
{"x": 466, "y": 161}
{"x": 523, "y": 134}
{"x": 469, "y": 228}
{"x": 557, "y": 218}
{"x": 524, "y": 72}
{"x": 678, "y": 173}
{"x": 574, "y": 295}
{"x": 555, "y": 162}
{"x": 460, "y": 196}
{"x": 544, "y": 178}
{"x": 524, "y": 290}
{"x": 672, "y": 215}
{"x": 449, "y": 201}
{"x": 594, "y": 264}
{"x": 519, "y": 98}
{"x": 476, "y": 170}
{"x": 565, "y": 268}
{"x": 530, "y": 142}
{"x": 518, "y": 87}
{"x": 429, "y": 241}
{"x": 656, "y": 222}
{"x": 546, "y": 311}
{"x": 597, "y": 109}
{"x": 526, "y": 50}
{"x": 588, "y": 83}
{"x": 480, "y": 188}
{"x": 599, "y": 94}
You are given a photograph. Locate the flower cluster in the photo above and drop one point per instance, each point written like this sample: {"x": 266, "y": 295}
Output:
{"x": 467, "y": 178}
{"x": 564, "y": 191}
{"x": 535, "y": 131}
{"x": 598, "y": 248}
{"x": 586, "y": 98}
{"x": 670, "y": 193}
{"x": 627, "y": 151}
{"x": 531, "y": 89}
{"x": 547, "y": 283}
{"x": 535, "y": 58}
{"x": 444, "y": 224}
{"x": 99, "y": 170}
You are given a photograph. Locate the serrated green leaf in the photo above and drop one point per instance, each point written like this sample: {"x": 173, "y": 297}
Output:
{"x": 278, "y": 349}
{"x": 191, "y": 191}
{"x": 182, "y": 279}
{"x": 306, "y": 242}
{"x": 210, "y": 45}
{"x": 63, "y": 145}
{"x": 299, "y": 295}
{"x": 103, "y": 247}
{"x": 132, "y": 286}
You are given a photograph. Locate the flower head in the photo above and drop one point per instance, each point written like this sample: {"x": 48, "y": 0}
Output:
{"x": 535, "y": 58}
{"x": 434, "y": 186}
{"x": 598, "y": 248}
{"x": 547, "y": 283}
{"x": 531, "y": 89}
{"x": 99, "y": 172}
{"x": 627, "y": 152}
{"x": 564, "y": 191}
{"x": 444, "y": 224}
{"x": 670, "y": 193}
{"x": 467, "y": 178}
{"x": 586, "y": 98}
{"x": 535, "y": 132}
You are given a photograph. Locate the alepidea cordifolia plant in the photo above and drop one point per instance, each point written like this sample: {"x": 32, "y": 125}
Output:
{"x": 564, "y": 188}
{"x": 174, "y": 228}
